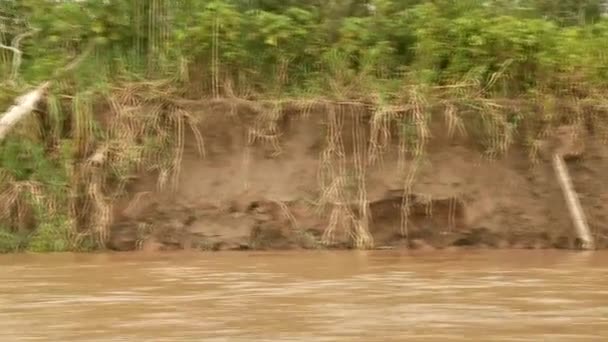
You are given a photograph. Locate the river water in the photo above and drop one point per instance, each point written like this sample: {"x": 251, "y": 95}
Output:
{"x": 306, "y": 296}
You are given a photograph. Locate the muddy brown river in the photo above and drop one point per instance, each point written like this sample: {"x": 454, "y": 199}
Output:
{"x": 306, "y": 296}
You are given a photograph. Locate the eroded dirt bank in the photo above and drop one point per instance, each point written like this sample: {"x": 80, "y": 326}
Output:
{"x": 281, "y": 179}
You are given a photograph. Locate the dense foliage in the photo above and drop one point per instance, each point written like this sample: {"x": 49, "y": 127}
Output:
{"x": 480, "y": 52}
{"x": 254, "y": 45}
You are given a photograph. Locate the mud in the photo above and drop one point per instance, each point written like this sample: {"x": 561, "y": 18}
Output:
{"x": 297, "y": 178}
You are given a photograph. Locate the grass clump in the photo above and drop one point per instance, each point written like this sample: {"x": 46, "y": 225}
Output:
{"x": 51, "y": 236}
{"x": 10, "y": 241}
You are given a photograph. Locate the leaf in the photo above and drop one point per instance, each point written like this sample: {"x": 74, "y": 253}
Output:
{"x": 272, "y": 41}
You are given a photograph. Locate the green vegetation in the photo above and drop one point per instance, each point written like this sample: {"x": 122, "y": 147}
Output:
{"x": 499, "y": 69}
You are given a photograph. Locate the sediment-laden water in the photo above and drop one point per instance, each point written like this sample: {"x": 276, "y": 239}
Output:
{"x": 306, "y": 296}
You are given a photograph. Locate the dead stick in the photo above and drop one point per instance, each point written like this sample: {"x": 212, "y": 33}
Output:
{"x": 574, "y": 205}
{"x": 25, "y": 104}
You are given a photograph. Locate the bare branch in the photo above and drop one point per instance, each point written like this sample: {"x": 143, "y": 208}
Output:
{"x": 26, "y": 103}
{"x": 23, "y": 106}
{"x": 574, "y": 205}
{"x": 14, "y": 48}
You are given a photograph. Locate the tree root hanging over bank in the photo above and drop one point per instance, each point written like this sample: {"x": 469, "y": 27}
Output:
{"x": 358, "y": 134}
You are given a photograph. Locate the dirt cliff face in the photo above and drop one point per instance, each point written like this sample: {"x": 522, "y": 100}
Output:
{"x": 335, "y": 177}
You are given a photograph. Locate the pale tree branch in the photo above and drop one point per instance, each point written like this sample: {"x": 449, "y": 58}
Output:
{"x": 574, "y": 206}
{"x": 27, "y": 103}
{"x": 23, "y": 106}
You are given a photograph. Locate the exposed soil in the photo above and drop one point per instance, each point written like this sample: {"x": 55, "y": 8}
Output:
{"x": 275, "y": 192}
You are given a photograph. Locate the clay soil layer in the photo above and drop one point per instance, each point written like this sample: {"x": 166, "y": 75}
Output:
{"x": 335, "y": 177}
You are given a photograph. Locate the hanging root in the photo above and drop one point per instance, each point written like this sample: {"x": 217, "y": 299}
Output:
{"x": 340, "y": 190}
{"x": 287, "y": 214}
{"x": 332, "y": 173}
{"x": 101, "y": 213}
{"x": 453, "y": 121}
{"x": 380, "y": 130}
{"x": 418, "y": 114}
{"x": 266, "y": 128}
{"x": 363, "y": 238}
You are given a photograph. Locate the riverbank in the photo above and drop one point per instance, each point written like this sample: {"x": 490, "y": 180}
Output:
{"x": 230, "y": 125}
{"x": 334, "y": 177}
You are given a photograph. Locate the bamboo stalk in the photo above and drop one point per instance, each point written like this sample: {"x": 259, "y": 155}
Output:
{"x": 574, "y": 206}
{"x": 23, "y": 106}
